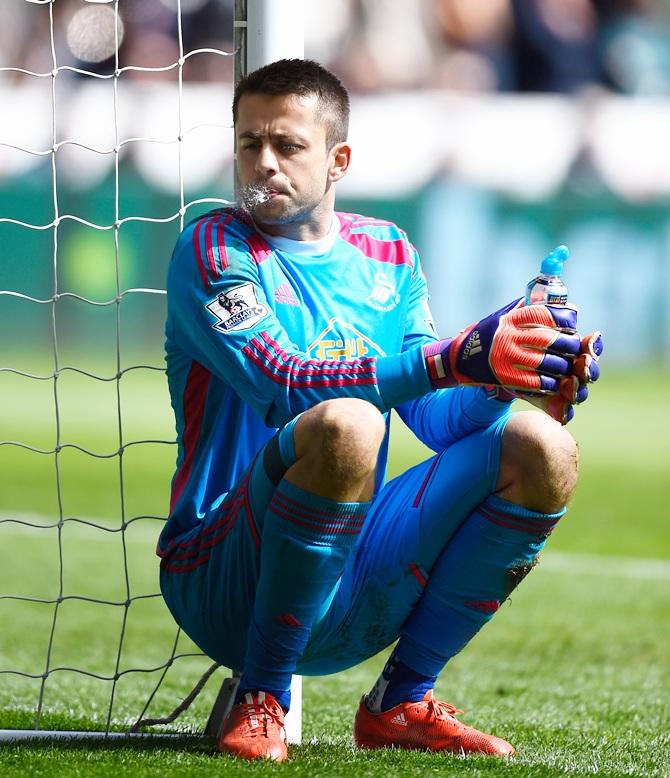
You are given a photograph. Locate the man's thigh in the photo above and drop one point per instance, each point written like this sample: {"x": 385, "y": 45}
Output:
{"x": 209, "y": 576}
{"x": 410, "y": 523}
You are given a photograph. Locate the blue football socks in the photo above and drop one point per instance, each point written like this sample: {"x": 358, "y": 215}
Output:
{"x": 306, "y": 540}
{"x": 489, "y": 555}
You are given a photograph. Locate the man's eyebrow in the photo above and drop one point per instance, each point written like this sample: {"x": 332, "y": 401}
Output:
{"x": 290, "y": 136}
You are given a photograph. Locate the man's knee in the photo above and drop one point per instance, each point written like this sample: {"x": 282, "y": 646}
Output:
{"x": 538, "y": 464}
{"x": 342, "y": 435}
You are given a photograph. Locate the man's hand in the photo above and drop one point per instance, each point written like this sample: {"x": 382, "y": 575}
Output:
{"x": 573, "y": 389}
{"x": 528, "y": 348}
{"x": 521, "y": 350}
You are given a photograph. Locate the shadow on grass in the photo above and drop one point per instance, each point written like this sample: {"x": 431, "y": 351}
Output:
{"x": 98, "y": 741}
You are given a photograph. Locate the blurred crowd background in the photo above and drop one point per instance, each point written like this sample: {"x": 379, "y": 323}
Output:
{"x": 374, "y": 45}
{"x": 491, "y": 130}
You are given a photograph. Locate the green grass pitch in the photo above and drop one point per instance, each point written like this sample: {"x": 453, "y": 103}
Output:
{"x": 575, "y": 670}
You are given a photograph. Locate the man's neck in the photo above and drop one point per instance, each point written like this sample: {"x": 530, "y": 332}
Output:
{"x": 316, "y": 247}
{"x": 313, "y": 227}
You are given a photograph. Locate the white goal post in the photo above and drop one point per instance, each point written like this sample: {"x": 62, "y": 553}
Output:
{"x": 264, "y": 30}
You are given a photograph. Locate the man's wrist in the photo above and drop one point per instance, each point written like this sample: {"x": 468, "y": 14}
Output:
{"x": 437, "y": 363}
{"x": 499, "y": 393}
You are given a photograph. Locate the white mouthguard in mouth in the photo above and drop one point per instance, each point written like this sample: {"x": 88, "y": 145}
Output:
{"x": 254, "y": 195}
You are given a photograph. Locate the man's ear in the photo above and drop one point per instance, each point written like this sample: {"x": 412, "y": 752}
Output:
{"x": 340, "y": 158}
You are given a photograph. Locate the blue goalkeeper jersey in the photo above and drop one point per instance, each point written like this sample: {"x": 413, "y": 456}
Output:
{"x": 260, "y": 329}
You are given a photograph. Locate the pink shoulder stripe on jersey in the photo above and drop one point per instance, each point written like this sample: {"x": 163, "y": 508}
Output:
{"x": 221, "y": 241}
{"x": 198, "y": 254}
{"x": 214, "y": 260}
{"x": 394, "y": 252}
{"x": 221, "y": 253}
{"x": 195, "y": 395}
{"x": 217, "y": 250}
{"x": 259, "y": 248}
{"x": 209, "y": 244}
{"x": 358, "y": 220}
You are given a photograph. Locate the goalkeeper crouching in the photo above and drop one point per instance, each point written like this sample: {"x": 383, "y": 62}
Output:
{"x": 292, "y": 331}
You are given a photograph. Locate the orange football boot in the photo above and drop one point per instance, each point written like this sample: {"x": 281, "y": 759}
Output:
{"x": 429, "y": 725}
{"x": 254, "y": 729}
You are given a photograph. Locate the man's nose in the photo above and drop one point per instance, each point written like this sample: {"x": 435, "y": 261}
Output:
{"x": 266, "y": 162}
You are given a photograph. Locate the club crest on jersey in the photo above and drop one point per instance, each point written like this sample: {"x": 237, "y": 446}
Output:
{"x": 383, "y": 296}
{"x": 237, "y": 309}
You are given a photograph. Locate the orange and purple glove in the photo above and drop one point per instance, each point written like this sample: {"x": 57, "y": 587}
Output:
{"x": 521, "y": 350}
{"x": 573, "y": 389}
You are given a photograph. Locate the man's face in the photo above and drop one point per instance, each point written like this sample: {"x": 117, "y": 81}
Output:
{"x": 284, "y": 167}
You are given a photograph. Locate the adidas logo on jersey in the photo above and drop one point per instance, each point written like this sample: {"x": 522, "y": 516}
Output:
{"x": 284, "y": 294}
{"x": 473, "y": 345}
{"x": 400, "y": 720}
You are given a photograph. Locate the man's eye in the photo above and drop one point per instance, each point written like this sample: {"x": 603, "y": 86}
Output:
{"x": 290, "y": 147}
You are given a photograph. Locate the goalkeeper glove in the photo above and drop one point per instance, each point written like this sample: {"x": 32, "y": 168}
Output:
{"x": 525, "y": 348}
{"x": 530, "y": 352}
{"x": 572, "y": 389}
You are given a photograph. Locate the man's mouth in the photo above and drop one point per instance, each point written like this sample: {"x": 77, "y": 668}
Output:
{"x": 257, "y": 194}
{"x": 254, "y": 195}
{"x": 274, "y": 191}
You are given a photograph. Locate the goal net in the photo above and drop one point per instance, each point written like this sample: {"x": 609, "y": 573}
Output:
{"x": 87, "y": 442}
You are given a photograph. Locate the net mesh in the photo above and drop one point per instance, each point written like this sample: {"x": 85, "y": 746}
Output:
{"x": 108, "y": 632}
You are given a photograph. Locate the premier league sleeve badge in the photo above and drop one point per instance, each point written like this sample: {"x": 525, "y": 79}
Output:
{"x": 237, "y": 309}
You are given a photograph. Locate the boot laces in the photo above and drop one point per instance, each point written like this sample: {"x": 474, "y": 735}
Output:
{"x": 442, "y": 710}
{"x": 263, "y": 714}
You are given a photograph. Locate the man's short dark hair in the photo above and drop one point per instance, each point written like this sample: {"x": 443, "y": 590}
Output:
{"x": 302, "y": 77}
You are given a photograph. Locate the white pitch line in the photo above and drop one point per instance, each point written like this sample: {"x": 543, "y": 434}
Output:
{"x": 637, "y": 568}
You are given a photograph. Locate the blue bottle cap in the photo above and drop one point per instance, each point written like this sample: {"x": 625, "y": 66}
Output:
{"x": 552, "y": 264}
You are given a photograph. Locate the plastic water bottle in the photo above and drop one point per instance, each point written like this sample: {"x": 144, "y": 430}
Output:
{"x": 548, "y": 287}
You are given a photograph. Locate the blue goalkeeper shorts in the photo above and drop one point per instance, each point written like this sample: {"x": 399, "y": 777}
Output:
{"x": 208, "y": 576}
